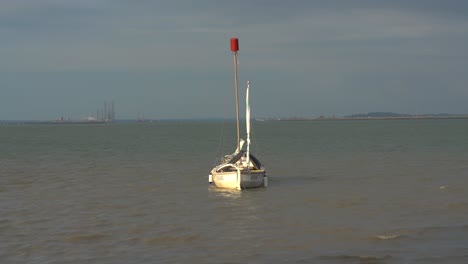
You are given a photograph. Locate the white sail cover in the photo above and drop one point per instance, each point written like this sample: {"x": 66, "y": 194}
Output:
{"x": 247, "y": 120}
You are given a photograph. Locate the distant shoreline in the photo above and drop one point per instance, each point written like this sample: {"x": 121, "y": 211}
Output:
{"x": 372, "y": 116}
{"x": 368, "y": 118}
{"x": 361, "y": 118}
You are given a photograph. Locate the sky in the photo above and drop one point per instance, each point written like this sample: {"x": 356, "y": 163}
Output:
{"x": 170, "y": 59}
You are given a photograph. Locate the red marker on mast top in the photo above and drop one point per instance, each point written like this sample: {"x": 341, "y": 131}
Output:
{"x": 234, "y": 44}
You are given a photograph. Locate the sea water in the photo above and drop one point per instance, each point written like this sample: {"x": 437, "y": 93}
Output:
{"x": 390, "y": 191}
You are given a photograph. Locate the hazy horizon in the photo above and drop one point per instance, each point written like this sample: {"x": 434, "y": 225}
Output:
{"x": 242, "y": 119}
{"x": 171, "y": 59}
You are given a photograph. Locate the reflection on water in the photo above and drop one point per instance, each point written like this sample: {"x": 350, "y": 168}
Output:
{"x": 225, "y": 193}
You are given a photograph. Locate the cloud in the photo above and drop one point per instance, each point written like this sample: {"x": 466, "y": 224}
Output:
{"x": 100, "y": 35}
{"x": 327, "y": 49}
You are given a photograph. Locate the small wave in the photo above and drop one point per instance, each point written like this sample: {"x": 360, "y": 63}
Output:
{"x": 444, "y": 259}
{"x": 461, "y": 205}
{"x": 20, "y": 184}
{"x": 172, "y": 240}
{"x": 84, "y": 238}
{"x": 109, "y": 206}
{"x": 5, "y": 221}
{"x": 295, "y": 180}
{"x": 387, "y": 237}
{"x": 442, "y": 229}
{"x": 357, "y": 259}
{"x": 418, "y": 232}
{"x": 351, "y": 202}
{"x": 137, "y": 213}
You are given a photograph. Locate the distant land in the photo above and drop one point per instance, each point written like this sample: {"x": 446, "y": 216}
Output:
{"x": 372, "y": 116}
{"x": 393, "y": 115}
{"x": 366, "y": 116}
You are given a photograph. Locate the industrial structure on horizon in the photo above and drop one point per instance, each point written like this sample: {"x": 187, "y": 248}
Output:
{"x": 106, "y": 114}
{"x": 103, "y": 115}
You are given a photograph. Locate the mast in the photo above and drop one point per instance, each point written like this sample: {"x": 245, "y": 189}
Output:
{"x": 112, "y": 111}
{"x": 234, "y": 49}
{"x": 247, "y": 120}
{"x": 105, "y": 111}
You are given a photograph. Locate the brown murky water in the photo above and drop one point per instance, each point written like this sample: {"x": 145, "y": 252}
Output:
{"x": 340, "y": 192}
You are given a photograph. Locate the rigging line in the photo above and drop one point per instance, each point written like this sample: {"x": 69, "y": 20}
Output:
{"x": 220, "y": 142}
{"x": 258, "y": 150}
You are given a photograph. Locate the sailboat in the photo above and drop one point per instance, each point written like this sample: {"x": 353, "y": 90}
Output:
{"x": 239, "y": 170}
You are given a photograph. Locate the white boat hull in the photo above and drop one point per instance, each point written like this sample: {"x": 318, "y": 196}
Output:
{"x": 229, "y": 179}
